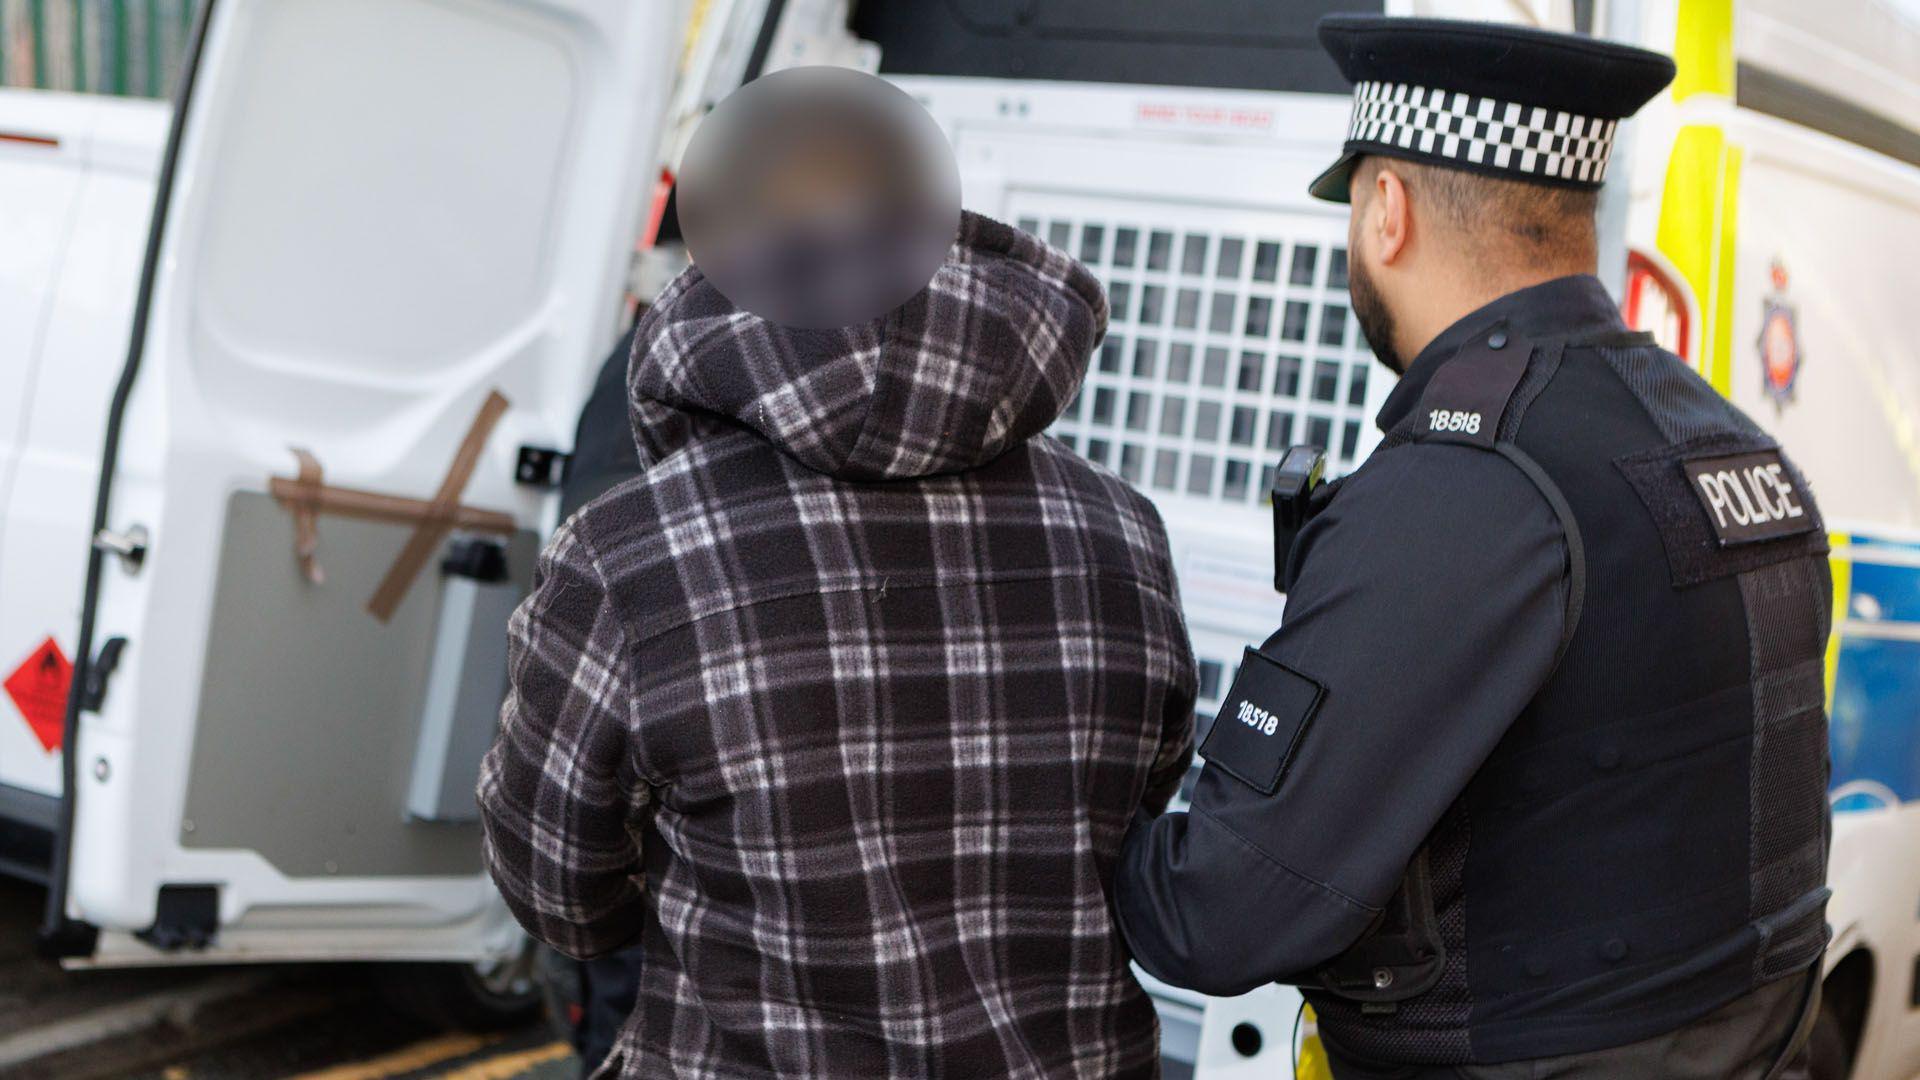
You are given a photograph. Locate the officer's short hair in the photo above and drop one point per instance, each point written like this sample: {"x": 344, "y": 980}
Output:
{"x": 1496, "y": 213}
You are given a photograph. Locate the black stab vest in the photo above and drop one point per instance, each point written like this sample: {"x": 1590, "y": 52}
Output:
{"x": 1648, "y": 840}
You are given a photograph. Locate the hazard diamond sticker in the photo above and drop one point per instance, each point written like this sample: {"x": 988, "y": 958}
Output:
{"x": 38, "y": 688}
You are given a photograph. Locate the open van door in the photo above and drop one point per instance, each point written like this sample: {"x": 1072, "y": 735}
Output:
{"x": 374, "y": 215}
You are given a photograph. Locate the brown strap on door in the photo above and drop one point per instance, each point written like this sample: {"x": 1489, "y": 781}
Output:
{"x": 432, "y": 531}
{"x": 307, "y": 496}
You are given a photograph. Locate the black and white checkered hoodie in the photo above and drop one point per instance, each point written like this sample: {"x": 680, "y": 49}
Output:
{"x": 842, "y": 707}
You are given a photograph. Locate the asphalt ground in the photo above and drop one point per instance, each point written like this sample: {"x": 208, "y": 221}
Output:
{"x": 269, "y": 1022}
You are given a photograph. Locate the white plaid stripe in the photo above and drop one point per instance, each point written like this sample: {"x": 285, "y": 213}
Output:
{"x": 1451, "y": 126}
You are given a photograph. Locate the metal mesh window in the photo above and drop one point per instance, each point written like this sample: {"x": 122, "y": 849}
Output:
{"x": 1153, "y": 301}
{"x": 1092, "y": 240}
{"x": 1159, "y": 250}
{"x": 1286, "y": 377}
{"x": 1200, "y": 475}
{"x": 1221, "y": 321}
{"x": 1186, "y": 309}
{"x": 1304, "y": 258}
{"x": 1266, "y": 261}
{"x": 1245, "y": 421}
{"x": 1146, "y": 349}
{"x": 1173, "y": 417}
{"x": 1193, "y": 257}
{"x": 1180, "y": 364}
{"x": 1227, "y": 345}
{"x": 1251, "y": 365}
{"x": 1326, "y": 380}
{"x": 1279, "y": 431}
{"x": 1320, "y": 432}
{"x": 1293, "y": 325}
{"x": 1228, "y": 264}
{"x": 1213, "y": 370}
{"x": 1166, "y": 467}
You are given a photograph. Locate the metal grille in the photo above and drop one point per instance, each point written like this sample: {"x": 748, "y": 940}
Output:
{"x": 1227, "y": 345}
{"x": 1231, "y": 339}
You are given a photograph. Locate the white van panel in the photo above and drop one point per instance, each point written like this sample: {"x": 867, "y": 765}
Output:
{"x": 438, "y": 241}
{"x": 1842, "y": 223}
{"x": 80, "y": 214}
{"x": 1864, "y": 52}
{"x": 383, "y": 210}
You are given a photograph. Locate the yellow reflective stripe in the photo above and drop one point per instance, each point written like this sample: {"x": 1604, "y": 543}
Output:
{"x": 1313, "y": 1057}
{"x": 1703, "y": 49}
{"x": 1842, "y": 562}
{"x": 1699, "y": 219}
{"x": 696, "y": 25}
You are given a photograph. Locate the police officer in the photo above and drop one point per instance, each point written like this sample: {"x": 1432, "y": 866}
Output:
{"x": 1531, "y": 781}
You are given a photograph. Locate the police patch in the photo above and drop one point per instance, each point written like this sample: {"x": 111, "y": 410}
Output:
{"x": 1700, "y": 522}
{"x": 1749, "y": 497}
{"x": 1261, "y": 721}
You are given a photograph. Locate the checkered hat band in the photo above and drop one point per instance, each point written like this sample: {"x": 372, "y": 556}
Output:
{"x": 1446, "y": 125}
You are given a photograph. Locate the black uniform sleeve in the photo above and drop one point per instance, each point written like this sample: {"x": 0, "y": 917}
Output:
{"x": 604, "y": 454}
{"x": 1427, "y": 610}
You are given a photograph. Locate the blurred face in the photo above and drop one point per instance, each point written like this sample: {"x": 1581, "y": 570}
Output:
{"x": 819, "y": 198}
{"x": 1370, "y": 305}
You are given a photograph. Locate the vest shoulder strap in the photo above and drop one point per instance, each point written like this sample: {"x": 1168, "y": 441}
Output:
{"x": 1467, "y": 402}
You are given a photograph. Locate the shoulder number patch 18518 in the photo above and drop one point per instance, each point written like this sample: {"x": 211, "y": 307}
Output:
{"x": 1749, "y": 497}
{"x": 1261, "y": 721}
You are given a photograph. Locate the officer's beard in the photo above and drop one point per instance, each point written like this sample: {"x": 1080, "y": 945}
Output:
{"x": 1376, "y": 319}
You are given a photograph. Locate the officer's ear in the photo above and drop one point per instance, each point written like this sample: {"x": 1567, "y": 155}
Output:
{"x": 1388, "y": 215}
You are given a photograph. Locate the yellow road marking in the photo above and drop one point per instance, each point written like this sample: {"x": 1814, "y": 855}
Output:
{"x": 508, "y": 1066}
{"x": 405, "y": 1060}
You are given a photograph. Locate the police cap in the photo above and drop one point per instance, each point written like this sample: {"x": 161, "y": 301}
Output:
{"x": 1505, "y": 101}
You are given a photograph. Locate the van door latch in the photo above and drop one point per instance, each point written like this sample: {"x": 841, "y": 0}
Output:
{"x": 130, "y": 546}
{"x": 541, "y": 466}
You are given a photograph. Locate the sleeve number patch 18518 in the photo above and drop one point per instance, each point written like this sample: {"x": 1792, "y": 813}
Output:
{"x": 1261, "y": 722}
{"x": 1453, "y": 420}
{"x": 1257, "y": 718}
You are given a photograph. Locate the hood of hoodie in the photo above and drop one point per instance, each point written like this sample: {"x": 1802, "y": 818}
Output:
{"x": 982, "y": 359}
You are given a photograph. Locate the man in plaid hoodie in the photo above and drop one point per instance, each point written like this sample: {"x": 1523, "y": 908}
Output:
{"x": 841, "y": 708}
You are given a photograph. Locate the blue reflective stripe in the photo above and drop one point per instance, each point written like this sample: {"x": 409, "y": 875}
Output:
{"x": 1875, "y": 723}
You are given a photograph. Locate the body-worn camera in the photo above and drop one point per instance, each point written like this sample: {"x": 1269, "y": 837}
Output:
{"x": 1302, "y": 472}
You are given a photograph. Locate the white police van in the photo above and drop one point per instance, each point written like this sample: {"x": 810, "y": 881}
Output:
{"x": 377, "y": 211}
